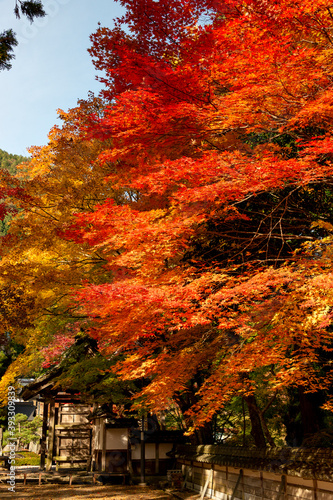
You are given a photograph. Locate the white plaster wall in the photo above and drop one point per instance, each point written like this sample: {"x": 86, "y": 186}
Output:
{"x": 149, "y": 451}
{"x": 136, "y": 451}
{"x": 164, "y": 449}
{"x": 116, "y": 439}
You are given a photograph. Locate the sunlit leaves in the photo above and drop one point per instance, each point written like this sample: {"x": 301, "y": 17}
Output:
{"x": 189, "y": 97}
{"x": 183, "y": 213}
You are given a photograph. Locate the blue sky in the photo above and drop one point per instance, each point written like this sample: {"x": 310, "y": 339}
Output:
{"x": 52, "y": 68}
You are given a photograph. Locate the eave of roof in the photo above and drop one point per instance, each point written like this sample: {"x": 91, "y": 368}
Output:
{"x": 308, "y": 463}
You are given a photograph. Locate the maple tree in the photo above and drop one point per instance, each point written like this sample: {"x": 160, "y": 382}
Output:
{"x": 38, "y": 268}
{"x": 211, "y": 218}
{"x": 220, "y": 120}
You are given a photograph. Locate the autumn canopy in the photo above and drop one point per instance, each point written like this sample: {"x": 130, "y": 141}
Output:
{"x": 184, "y": 218}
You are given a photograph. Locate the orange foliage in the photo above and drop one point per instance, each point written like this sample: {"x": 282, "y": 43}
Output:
{"x": 213, "y": 105}
{"x": 218, "y": 135}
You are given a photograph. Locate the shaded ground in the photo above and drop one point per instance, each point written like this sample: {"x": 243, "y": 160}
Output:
{"x": 85, "y": 492}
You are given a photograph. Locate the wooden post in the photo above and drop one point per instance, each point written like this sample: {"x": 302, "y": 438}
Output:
{"x": 192, "y": 475}
{"x": 157, "y": 458}
{"x": 282, "y": 493}
{"x": 243, "y": 486}
{"x": 188, "y": 470}
{"x": 50, "y": 441}
{"x": 143, "y": 453}
{"x": 240, "y": 478}
{"x": 92, "y": 446}
{"x": 206, "y": 484}
{"x": 129, "y": 456}
{"x": 1, "y": 440}
{"x": 56, "y": 439}
{"x": 213, "y": 483}
{"x": 315, "y": 489}
{"x": 43, "y": 438}
{"x": 103, "y": 446}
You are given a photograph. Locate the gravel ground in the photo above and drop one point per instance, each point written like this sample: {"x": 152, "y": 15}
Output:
{"x": 86, "y": 492}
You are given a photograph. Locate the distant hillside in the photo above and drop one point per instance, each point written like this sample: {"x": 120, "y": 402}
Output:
{"x": 9, "y": 161}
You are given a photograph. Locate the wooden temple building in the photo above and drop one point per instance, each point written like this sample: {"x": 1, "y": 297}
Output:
{"x": 66, "y": 431}
{"x": 86, "y": 436}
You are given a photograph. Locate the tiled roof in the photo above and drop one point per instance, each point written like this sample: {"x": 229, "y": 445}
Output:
{"x": 309, "y": 463}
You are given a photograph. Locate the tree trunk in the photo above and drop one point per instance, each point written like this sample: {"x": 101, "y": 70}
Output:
{"x": 265, "y": 429}
{"x": 310, "y": 404}
{"x": 204, "y": 435}
{"x": 255, "y": 417}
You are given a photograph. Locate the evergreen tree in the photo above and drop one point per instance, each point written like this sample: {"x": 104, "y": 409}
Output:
{"x": 29, "y": 8}
{"x": 10, "y": 161}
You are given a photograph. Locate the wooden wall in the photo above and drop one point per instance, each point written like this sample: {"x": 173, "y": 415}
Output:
{"x": 220, "y": 483}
